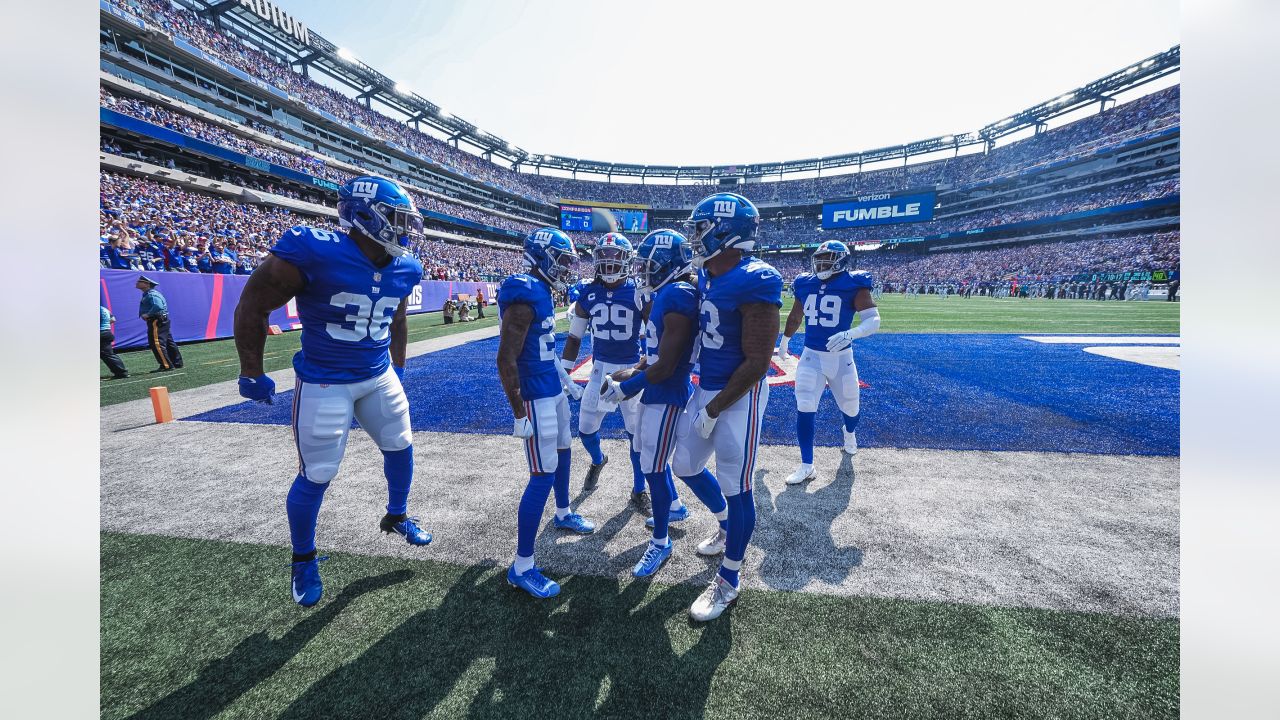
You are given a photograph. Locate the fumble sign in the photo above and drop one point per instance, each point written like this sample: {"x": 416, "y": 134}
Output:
{"x": 879, "y": 210}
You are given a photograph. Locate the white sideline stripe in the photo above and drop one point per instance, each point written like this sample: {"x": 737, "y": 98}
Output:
{"x": 1104, "y": 339}
{"x": 1161, "y": 356}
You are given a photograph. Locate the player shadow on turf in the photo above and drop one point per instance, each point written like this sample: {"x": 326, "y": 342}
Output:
{"x": 794, "y": 530}
{"x": 488, "y": 650}
{"x": 257, "y": 657}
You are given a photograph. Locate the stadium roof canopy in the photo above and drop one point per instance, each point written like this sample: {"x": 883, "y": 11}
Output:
{"x": 256, "y": 21}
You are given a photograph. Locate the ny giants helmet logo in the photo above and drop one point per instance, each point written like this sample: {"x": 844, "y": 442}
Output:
{"x": 364, "y": 189}
{"x": 724, "y": 208}
{"x": 542, "y": 237}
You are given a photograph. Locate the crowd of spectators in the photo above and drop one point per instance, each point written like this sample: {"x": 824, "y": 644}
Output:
{"x": 1145, "y": 115}
{"x": 204, "y": 35}
{"x": 806, "y": 230}
{"x": 1036, "y": 262}
{"x": 155, "y": 227}
{"x": 197, "y": 128}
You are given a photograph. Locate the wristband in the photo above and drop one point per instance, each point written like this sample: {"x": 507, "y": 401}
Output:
{"x": 635, "y": 384}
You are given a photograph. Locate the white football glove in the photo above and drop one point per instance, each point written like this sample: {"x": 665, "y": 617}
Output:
{"x": 571, "y": 388}
{"x": 611, "y": 390}
{"x": 782, "y": 348}
{"x": 703, "y": 424}
{"x": 840, "y": 340}
{"x": 523, "y": 428}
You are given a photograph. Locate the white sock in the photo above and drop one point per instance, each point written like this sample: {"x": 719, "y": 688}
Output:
{"x": 661, "y": 542}
{"x": 523, "y": 564}
{"x": 562, "y": 513}
{"x": 676, "y": 505}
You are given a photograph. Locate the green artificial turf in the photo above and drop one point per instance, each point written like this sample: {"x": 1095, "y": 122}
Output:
{"x": 197, "y": 629}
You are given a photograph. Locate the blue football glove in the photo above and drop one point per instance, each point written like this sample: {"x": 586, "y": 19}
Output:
{"x": 260, "y": 389}
{"x": 399, "y": 372}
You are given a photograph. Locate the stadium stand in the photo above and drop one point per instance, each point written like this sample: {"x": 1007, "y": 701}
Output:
{"x": 1099, "y": 186}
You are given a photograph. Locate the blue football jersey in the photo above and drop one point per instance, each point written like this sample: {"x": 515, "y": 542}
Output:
{"x": 682, "y": 298}
{"x": 751, "y": 281}
{"x": 828, "y": 304}
{"x": 537, "y": 360}
{"x": 615, "y": 321}
{"x": 346, "y": 304}
{"x": 574, "y": 291}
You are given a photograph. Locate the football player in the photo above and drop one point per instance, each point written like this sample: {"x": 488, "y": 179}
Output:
{"x": 828, "y": 300}
{"x": 351, "y": 287}
{"x": 536, "y": 386}
{"x": 661, "y": 381}
{"x": 740, "y": 299}
{"x": 610, "y": 306}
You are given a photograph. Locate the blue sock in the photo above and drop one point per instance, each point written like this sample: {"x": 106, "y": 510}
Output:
{"x": 707, "y": 490}
{"x": 562, "y": 478}
{"x": 661, "y": 502}
{"x": 851, "y": 421}
{"x": 806, "y": 422}
{"x": 591, "y": 441}
{"x": 671, "y": 484}
{"x": 742, "y": 522}
{"x": 529, "y": 516}
{"x": 398, "y": 467}
{"x": 303, "y": 507}
{"x": 637, "y": 477}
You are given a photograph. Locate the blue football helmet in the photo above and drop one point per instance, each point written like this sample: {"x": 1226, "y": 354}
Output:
{"x": 830, "y": 258}
{"x": 611, "y": 257}
{"x": 551, "y": 254}
{"x": 661, "y": 256}
{"x": 721, "y": 222}
{"x": 382, "y": 210}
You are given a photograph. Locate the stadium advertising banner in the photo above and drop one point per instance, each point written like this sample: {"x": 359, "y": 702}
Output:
{"x": 580, "y": 218}
{"x": 879, "y": 210}
{"x": 202, "y": 305}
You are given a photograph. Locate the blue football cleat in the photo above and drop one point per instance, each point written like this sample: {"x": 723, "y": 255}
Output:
{"x": 576, "y": 523}
{"x": 306, "y": 585}
{"x": 533, "y": 582}
{"x": 653, "y": 558}
{"x": 407, "y": 527}
{"x": 675, "y": 516}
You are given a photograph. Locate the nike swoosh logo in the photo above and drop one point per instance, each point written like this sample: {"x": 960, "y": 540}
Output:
{"x": 296, "y": 595}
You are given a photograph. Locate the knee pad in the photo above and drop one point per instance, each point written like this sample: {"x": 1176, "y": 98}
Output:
{"x": 322, "y": 472}
{"x": 589, "y": 420}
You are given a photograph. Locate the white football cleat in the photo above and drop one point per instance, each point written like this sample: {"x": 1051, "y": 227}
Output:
{"x": 713, "y": 601}
{"x": 850, "y": 442}
{"x": 802, "y": 473}
{"x": 713, "y": 545}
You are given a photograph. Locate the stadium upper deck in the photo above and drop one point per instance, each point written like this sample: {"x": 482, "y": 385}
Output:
{"x": 245, "y": 85}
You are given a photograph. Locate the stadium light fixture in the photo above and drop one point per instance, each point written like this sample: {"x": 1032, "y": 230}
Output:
{"x": 403, "y": 89}
{"x": 948, "y": 139}
{"x": 1148, "y": 63}
{"x": 1131, "y": 70}
{"x": 346, "y": 54}
{"x": 1064, "y": 99}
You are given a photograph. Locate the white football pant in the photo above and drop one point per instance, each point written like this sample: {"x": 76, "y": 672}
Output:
{"x": 550, "y": 418}
{"x": 817, "y": 369}
{"x": 734, "y": 439}
{"x": 656, "y": 439}
{"x": 593, "y": 409}
{"x": 322, "y": 420}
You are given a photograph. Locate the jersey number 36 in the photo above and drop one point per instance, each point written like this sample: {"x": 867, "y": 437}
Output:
{"x": 370, "y": 319}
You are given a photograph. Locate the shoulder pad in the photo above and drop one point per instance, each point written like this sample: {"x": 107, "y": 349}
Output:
{"x": 861, "y": 278}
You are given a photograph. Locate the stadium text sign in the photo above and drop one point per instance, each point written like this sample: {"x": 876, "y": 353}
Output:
{"x": 879, "y": 210}
{"x": 270, "y": 12}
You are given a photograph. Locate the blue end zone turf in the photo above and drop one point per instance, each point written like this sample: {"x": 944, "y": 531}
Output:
{"x": 953, "y": 392}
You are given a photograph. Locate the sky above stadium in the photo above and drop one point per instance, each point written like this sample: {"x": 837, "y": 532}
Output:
{"x": 690, "y": 82}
